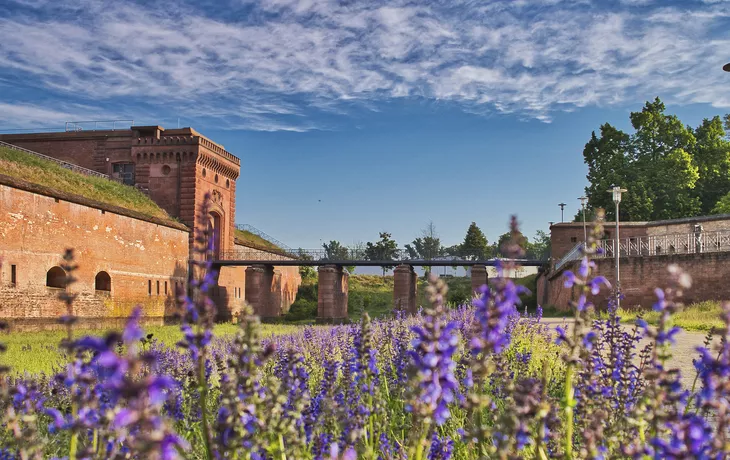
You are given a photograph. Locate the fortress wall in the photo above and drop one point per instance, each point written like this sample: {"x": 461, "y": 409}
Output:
{"x": 145, "y": 260}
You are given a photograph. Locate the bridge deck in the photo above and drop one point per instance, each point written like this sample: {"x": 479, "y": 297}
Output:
{"x": 375, "y": 263}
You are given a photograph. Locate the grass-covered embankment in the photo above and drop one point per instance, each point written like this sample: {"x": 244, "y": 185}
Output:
{"x": 24, "y": 166}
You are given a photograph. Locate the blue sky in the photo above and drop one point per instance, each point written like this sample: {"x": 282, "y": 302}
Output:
{"x": 392, "y": 113}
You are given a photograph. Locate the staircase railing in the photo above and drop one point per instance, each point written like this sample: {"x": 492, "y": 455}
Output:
{"x": 63, "y": 164}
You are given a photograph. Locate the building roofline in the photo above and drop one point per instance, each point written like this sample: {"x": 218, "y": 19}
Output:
{"x": 652, "y": 223}
{"x": 77, "y": 199}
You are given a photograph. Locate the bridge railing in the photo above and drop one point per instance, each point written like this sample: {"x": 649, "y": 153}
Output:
{"x": 679, "y": 243}
{"x": 341, "y": 256}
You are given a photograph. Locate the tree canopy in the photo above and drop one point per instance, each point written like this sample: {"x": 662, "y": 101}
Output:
{"x": 475, "y": 245}
{"x": 669, "y": 169}
{"x": 384, "y": 249}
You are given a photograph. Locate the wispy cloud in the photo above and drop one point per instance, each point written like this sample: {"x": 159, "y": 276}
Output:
{"x": 278, "y": 64}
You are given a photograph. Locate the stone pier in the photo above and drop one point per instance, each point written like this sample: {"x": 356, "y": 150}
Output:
{"x": 262, "y": 291}
{"x": 404, "y": 289}
{"x": 479, "y": 277}
{"x": 333, "y": 285}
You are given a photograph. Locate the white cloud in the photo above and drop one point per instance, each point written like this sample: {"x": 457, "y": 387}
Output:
{"x": 287, "y": 60}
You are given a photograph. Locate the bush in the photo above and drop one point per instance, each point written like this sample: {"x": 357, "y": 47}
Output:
{"x": 302, "y": 309}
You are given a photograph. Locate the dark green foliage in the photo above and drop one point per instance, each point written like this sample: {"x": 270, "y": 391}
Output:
{"x": 669, "y": 169}
{"x": 475, "y": 245}
{"x": 305, "y": 305}
{"x": 334, "y": 250}
{"x": 426, "y": 247}
{"x": 384, "y": 249}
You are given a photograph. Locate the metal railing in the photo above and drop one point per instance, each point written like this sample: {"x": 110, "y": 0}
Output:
{"x": 345, "y": 255}
{"x": 104, "y": 125}
{"x": 678, "y": 243}
{"x": 63, "y": 164}
{"x": 574, "y": 254}
{"x": 270, "y": 239}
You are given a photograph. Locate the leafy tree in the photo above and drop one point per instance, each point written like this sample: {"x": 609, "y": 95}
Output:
{"x": 383, "y": 249}
{"x": 306, "y": 272}
{"x": 540, "y": 247}
{"x": 475, "y": 245}
{"x": 427, "y": 246}
{"x": 337, "y": 252}
{"x": 454, "y": 250}
{"x": 505, "y": 238}
{"x": 712, "y": 157}
{"x": 656, "y": 164}
{"x": 722, "y": 206}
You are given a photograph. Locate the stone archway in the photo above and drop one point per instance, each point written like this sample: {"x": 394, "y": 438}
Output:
{"x": 215, "y": 227}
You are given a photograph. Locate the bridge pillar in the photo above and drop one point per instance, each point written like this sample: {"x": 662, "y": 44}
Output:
{"x": 479, "y": 277}
{"x": 333, "y": 288}
{"x": 404, "y": 289}
{"x": 259, "y": 291}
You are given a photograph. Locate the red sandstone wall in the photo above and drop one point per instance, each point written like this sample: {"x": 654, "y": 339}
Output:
{"x": 640, "y": 276}
{"x": 232, "y": 285}
{"x": 35, "y": 230}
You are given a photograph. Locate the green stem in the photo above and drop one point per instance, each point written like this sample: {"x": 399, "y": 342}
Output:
{"x": 281, "y": 447}
{"x": 202, "y": 385}
{"x": 569, "y": 394}
{"x": 73, "y": 447}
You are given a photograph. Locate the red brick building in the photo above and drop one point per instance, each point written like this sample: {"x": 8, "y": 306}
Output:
{"x": 176, "y": 168}
{"x": 699, "y": 245}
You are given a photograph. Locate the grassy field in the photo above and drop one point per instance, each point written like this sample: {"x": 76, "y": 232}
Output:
{"x": 702, "y": 316}
{"x": 255, "y": 240}
{"x": 374, "y": 294}
{"x": 42, "y": 172}
{"x": 35, "y": 352}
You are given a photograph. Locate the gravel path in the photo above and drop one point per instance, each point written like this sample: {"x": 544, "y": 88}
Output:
{"x": 682, "y": 353}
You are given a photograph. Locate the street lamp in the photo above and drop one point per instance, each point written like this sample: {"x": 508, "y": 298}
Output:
{"x": 583, "y": 200}
{"x": 726, "y": 67}
{"x": 616, "y": 191}
{"x": 562, "y": 206}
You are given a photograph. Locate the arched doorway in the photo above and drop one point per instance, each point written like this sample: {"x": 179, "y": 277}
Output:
{"x": 215, "y": 229}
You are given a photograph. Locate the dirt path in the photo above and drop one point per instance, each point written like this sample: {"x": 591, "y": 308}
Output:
{"x": 682, "y": 353}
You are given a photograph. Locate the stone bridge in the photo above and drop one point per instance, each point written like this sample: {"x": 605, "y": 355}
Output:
{"x": 333, "y": 277}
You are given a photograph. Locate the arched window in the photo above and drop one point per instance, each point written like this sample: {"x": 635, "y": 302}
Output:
{"x": 56, "y": 278}
{"x": 103, "y": 282}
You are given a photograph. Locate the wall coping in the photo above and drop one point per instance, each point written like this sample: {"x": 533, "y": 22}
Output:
{"x": 77, "y": 199}
{"x": 652, "y": 223}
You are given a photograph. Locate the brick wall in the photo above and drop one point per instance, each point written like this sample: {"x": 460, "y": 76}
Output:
{"x": 232, "y": 284}
{"x": 138, "y": 255}
{"x": 565, "y": 236}
{"x": 640, "y": 275}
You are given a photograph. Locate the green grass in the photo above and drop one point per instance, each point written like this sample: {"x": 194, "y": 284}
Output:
{"x": 702, "y": 316}
{"x": 255, "y": 240}
{"x": 33, "y": 169}
{"x": 35, "y": 352}
{"x": 374, "y": 294}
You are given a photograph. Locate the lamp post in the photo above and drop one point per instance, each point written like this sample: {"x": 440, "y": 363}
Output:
{"x": 583, "y": 200}
{"x": 616, "y": 191}
{"x": 726, "y": 67}
{"x": 562, "y": 206}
